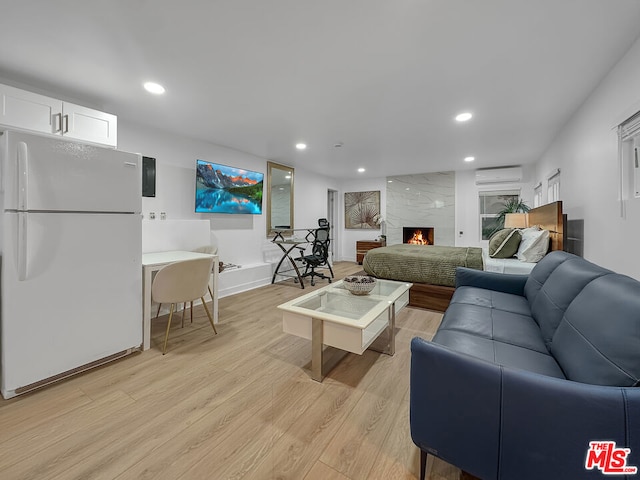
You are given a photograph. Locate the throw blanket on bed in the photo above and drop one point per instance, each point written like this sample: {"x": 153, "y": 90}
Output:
{"x": 421, "y": 263}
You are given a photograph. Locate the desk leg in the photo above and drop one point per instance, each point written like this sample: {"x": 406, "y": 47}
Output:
{"x": 146, "y": 309}
{"x": 297, "y": 271}
{"x": 275, "y": 272}
{"x": 293, "y": 263}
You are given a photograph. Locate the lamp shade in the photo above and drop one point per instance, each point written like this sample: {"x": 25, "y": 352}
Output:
{"x": 515, "y": 220}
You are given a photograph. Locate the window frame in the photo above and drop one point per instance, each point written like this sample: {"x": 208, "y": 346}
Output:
{"x": 537, "y": 195}
{"x": 514, "y": 191}
{"x": 553, "y": 186}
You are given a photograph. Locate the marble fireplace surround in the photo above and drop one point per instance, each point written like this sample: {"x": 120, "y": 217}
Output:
{"x": 424, "y": 199}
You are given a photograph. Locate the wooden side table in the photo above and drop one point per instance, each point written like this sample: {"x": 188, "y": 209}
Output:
{"x": 363, "y": 246}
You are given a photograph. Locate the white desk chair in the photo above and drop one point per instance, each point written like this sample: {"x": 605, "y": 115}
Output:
{"x": 182, "y": 282}
{"x": 210, "y": 250}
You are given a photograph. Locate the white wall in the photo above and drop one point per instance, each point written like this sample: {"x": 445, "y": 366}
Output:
{"x": 586, "y": 151}
{"x": 241, "y": 239}
{"x": 235, "y": 235}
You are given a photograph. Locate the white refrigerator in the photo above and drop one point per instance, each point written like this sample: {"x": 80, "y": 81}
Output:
{"x": 71, "y": 282}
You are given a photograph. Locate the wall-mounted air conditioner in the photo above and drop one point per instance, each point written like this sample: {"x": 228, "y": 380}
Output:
{"x": 498, "y": 175}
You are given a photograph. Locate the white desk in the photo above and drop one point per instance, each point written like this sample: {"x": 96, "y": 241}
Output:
{"x": 152, "y": 262}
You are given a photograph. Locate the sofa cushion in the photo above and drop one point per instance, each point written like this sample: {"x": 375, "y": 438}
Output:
{"x": 494, "y": 324}
{"x": 492, "y": 299}
{"x": 560, "y": 289}
{"x": 598, "y": 339}
{"x": 497, "y": 352}
{"x": 541, "y": 272}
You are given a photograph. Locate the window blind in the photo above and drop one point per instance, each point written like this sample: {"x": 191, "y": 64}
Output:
{"x": 629, "y": 128}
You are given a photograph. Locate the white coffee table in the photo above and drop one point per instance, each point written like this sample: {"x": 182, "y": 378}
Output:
{"x": 333, "y": 317}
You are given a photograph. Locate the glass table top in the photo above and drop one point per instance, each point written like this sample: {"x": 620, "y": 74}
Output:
{"x": 338, "y": 304}
{"x": 383, "y": 288}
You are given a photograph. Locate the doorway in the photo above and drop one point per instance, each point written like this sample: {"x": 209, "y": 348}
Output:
{"x": 332, "y": 216}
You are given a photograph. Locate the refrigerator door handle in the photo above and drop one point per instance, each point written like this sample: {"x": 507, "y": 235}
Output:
{"x": 23, "y": 176}
{"x": 22, "y": 245}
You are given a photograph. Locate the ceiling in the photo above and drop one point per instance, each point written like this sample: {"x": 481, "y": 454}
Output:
{"x": 384, "y": 78}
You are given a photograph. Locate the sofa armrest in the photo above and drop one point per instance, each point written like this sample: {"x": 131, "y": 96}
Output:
{"x": 499, "y": 282}
{"x": 501, "y": 423}
{"x": 455, "y": 407}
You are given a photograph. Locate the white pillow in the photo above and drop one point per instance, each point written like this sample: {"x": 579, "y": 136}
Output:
{"x": 534, "y": 245}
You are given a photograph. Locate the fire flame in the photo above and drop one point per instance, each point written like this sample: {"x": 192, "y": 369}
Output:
{"x": 418, "y": 239}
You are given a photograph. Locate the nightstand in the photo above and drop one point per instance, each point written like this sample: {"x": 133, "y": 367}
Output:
{"x": 363, "y": 246}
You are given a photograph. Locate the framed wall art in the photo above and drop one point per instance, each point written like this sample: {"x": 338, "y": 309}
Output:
{"x": 362, "y": 210}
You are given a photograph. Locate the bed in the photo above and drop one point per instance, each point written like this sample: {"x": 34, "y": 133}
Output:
{"x": 431, "y": 268}
{"x": 505, "y": 265}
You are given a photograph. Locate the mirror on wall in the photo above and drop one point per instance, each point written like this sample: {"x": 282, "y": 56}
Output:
{"x": 279, "y": 197}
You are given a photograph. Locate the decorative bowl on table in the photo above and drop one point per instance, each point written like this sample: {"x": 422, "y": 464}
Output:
{"x": 359, "y": 284}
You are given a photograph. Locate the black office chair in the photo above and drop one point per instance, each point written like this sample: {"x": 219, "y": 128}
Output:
{"x": 319, "y": 255}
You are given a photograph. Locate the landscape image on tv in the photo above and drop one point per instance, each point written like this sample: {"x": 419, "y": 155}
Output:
{"x": 224, "y": 189}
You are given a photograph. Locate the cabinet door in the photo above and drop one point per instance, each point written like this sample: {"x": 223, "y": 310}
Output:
{"x": 30, "y": 111}
{"x": 89, "y": 125}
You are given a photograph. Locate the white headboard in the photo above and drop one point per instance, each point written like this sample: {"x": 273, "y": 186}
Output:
{"x": 165, "y": 235}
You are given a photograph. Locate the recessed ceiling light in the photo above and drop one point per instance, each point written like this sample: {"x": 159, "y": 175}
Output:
{"x": 463, "y": 117}
{"x": 469, "y": 159}
{"x": 361, "y": 169}
{"x": 154, "y": 88}
{"x": 389, "y": 181}
{"x": 287, "y": 177}
{"x": 301, "y": 146}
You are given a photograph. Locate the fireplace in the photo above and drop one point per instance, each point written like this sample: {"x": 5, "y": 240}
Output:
{"x": 417, "y": 235}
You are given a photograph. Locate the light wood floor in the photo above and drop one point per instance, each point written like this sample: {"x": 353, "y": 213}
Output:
{"x": 238, "y": 405}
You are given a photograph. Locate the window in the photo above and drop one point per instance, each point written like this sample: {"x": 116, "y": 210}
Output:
{"x": 553, "y": 186}
{"x": 491, "y": 203}
{"x": 629, "y": 167}
{"x": 537, "y": 195}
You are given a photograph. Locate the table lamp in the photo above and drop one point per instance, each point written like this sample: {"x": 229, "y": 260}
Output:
{"x": 515, "y": 220}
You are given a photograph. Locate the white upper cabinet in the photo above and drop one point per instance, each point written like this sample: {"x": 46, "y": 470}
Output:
{"x": 90, "y": 125}
{"x": 38, "y": 113}
{"x": 30, "y": 111}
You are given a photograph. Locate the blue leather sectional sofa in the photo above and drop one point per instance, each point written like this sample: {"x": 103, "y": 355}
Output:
{"x": 526, "y": 370}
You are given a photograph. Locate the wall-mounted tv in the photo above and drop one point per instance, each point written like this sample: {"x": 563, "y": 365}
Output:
{"x": 224, "y": 189}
